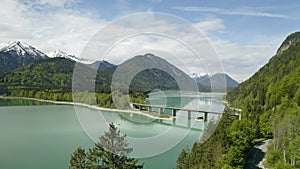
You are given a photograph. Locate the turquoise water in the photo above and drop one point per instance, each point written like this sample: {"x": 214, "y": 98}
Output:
{"x": 35, "y": 135}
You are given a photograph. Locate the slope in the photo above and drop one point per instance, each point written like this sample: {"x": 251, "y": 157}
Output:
{"x": 56, "y": 73}
{"x": 270, "y": 102}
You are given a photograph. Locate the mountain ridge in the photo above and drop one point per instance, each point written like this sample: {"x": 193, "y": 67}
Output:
{"x": 158, "y": 67}
{"x": 56, "y": 73}
{"x": 17, "y": 54}
{"x": 220, "y": 81}
{"x": 59, "y": 53}
{"x": 21, "y": 49}
{"x": 270, "y": 108}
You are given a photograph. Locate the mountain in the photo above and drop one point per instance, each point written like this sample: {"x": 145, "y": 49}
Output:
{"x": 57, "y": 73}
{"x": 270, "y": 108}
{"x": 16, "y": 54}
{"x": 271, "y": 100}
{"x": 101, "y": 65}
{"x": 50, "y": 73}
{"x": 219, "y": 81}
{"x": 199, "y": 77}
{"x": 61, "y": 54}
{"x": 282, "y": 72}
{"x": 148, "y": 72}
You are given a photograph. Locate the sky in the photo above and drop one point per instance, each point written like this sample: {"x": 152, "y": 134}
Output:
{"x": 243, "y": 34}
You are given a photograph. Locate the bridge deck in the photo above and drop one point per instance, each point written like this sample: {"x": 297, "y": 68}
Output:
{"x": 174, "y": 108}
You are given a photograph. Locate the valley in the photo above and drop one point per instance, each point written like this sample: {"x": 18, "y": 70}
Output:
{"x": 153, "y": 84}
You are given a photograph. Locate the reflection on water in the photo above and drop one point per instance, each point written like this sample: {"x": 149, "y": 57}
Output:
{"x": 56, "y": 131}
{"x": 22, "y": 102}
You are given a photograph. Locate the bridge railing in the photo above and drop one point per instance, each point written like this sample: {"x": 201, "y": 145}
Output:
{"x": 174, "y": 110}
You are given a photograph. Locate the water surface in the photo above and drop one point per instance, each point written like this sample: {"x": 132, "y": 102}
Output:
{"x": 43, "y": 135}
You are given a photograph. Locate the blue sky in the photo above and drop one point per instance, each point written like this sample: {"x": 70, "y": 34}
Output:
{"x": 245, "y": 34}
{"x": 246, "y": 22}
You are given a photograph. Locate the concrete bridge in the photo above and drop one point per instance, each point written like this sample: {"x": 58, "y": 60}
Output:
{"x": 174, "y": 110}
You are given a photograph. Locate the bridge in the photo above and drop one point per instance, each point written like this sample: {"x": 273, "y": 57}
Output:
{"x": 174, "y": 110}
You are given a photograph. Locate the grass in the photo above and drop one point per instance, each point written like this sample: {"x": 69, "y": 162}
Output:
{"x": 155, "y": 114}
{"x": 164, "y": 116}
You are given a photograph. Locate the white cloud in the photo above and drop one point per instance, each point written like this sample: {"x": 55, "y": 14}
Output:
{"x": 209, "y": 25}
{"x": 46, "y": 29}
{"x": 158, "y": 32}
{"x": 69, "y": 30}
{"x": 242, "y": 61}
{"x": 240, "y": 11}
{"x": 45, "y": 4}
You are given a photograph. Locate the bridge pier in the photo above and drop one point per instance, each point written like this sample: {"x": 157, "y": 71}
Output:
{"x": 189, "y": 124}
{"x": 161, "y": 111}
{"x": 174, "y": 109}
{"x": 174, "y": 112}
{"x": 205, "y": 117}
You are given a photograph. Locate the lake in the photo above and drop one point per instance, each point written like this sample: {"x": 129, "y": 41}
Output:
{"x": 43, "y": 135}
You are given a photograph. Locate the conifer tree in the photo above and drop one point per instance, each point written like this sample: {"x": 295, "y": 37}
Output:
{"x": 111, "y": 152}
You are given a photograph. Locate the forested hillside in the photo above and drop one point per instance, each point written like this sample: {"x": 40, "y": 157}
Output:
{"x": 270, "y": 102}
{"x": 52, "y": 79}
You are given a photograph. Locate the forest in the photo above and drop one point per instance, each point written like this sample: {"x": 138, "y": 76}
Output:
{"x": 270, "y": 104}
{"x": 51, "y": 79}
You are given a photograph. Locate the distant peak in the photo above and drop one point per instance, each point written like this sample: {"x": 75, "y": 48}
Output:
{"x": 11, "y": 44}
{"x": 18, "y": 42}
{"x": 14, "y": 44}
{"x": 21, "y": 49}
{"x": 58, "y": 53}
{"x": 197, "y": 75}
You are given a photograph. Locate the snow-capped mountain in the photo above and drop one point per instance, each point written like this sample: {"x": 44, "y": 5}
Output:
{"x": 16, "y": 54}
{"x": 196, "y": 75}
{"x": 22, "y": 49}
{"x": 59, "y": 53}
{"x": 199, "y": 77}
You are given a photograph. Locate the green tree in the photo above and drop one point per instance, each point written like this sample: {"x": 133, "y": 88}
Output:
{"x": 180, "y": 161}
{"x": 114, "y": 142}
{"x": 111, "y": 152}
{"x": 78, "y": 159}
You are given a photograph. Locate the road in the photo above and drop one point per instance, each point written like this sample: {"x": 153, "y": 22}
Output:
{"x": 256, "y": 156}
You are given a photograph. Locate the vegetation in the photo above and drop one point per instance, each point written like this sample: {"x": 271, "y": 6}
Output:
{"x": 109, "y": 153}
{"x": 208, "y": 152}
{"x": 51, "y": 79}
{"x": 270, "y": 103}
{"x": 164, "y": 116}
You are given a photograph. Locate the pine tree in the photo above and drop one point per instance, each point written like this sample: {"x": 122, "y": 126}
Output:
{"x": 180, "y": 161}
{"x": 115, "y": 149}
{"x": 114, "y": 142}
{"x": 78, "y": 159}
{"x": 111, "y": 152}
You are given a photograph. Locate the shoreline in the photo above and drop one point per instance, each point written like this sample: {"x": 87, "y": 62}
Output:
{"x": 94, "y": 107}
